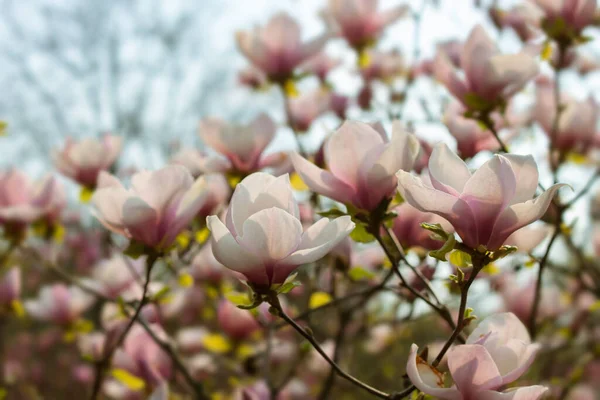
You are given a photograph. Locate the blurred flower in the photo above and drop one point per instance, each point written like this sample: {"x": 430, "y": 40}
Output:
{"x": 141, "y": 356}
{"x": 320, "y": 65}
{"x": 339, "y": 104}
{"x": 423, "y": 157}
{"x": 82, "y": 161}
{"x": 277, "y": 49}
{"x": 92, "y": 345}
{"x": 10, "y": 287}
{"x": 359, "y": 21}
{"x": 486, "y": 207}
{"x": 471, "y": 137}
{"x": 59, "y": 304}
{"x": 408, "y": 230}
{"x": 576, "y": 127}
{"x": 253, "y": 78}
{"x": 22, "y": 203}
{"x": 115, "y": 275}
{"x": 157, "y": 207}
{"x": 491, "y": 78}
{"x": 235, "y": 322}
{"x": 566, "y": 17}
{"x": 497, "y": 353}
{"x": 263, "y": 238}
{"x": 242, "y": 145}
{"x": 307, "y": 107}
{"x": 528, "y": 238}
{"x": 522, "y": 18}
{"x": 362, "y": 163}
{"x": 383, "y": 66}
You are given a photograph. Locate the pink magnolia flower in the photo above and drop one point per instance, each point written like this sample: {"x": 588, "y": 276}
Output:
{"x": 359, "y": 21}
{"x": 519, "y": 298}
{"x": 92, "y": 345}
{"x": 484, "y": 207}
{"x": 523, "y": 18}
{"x": 276, "y": 48}
{"x": 490, "y": 77}
{"x": 408, "y": 230}
{"x": 263, "y": 237}
{"x": 497, "y": 353}
{"x": 206, "y": 268}
{"x": 576, "y": 14}
{"x": 362, "y": 163}
{"x": 242, "y": 145}
{"x": 82, "y": 161}
{"x": 320, "y": 65}
{"x": 59, "y": 304}
{"x": 142, "y": 357}
{"x": 113, "y": 276}
{"x": 10, "y": 287}
{"x": 471, "y": 137}
{"x": 157, "y": 207}
{"x": 528, "y": 238}
{"x": 576, "y": 128}
{"x": 194, "y": 160}
{"x": 235, "y": 322}
{"x": 306, "y": 108}
{"x": 253, "y": 78}
{"x": 22, "y": 202}
{"x": 383, "y": 66}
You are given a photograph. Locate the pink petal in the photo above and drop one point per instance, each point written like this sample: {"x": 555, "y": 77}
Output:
{"x": 473, "y": 369}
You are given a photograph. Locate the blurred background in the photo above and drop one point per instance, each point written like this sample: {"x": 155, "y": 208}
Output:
{"x": 149, "y": 70}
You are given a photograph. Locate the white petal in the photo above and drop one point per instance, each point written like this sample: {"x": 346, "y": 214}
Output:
{"x": 229, "y": 253}
{"x": 425, "y": 379}
{"x": 447, "y": 171}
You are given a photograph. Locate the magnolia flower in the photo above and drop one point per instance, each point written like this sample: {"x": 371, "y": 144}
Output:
{"x": 115, "y": 275}
{"x": 92, "y": 345}
{"x": 408, "y": 230}
{"x": 22, "y": 202}
{"x": 484, "y": 207}
{"x": 528, "y": 238}
{"x": 235, "y": 322}
{"x": 497, "y": 353}
{"x": 242, "y": 145}
{"x": 82, "y": 161}
{"x": 490, "y": 77}
{"x": 576, "y": 128}
{"x": 59, "y": 304}
{"x": 383, "y": 66}
{"x": 263, "y": 237}
{"x": 206, "y": 268}
{"x": 518, "y": 299}
{"x": 195, "y": 161}
{"x": 320, "y": 65}
{"x": 142, "y": 357}
{"x": 157, "y": 207}
{"x": 522, "y": 18}
{"x": 276, "y": 48}
{"x": 470, "y": 137}
{"x": 576, "y": 14}
{"x": 306, "y": 108}
{"x": 362, "y": 164}
{"x": 10, "y": 287}
{"x": 359, "y": 21}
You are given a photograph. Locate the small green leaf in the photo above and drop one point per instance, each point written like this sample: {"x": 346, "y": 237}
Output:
{"x": 503, "y": 252}
{"x": 460, "y": 259}
{"x": 332, "y": 213}
{"x": 359, "y": 234}
{"x": 359, "y": 273}
{"x": 287, "y": 287}
{"x": 448, "y": 246}
{"x": 158, "y": 296}
{"x": 437, "y": 230}
{"x": 135, "y": 250}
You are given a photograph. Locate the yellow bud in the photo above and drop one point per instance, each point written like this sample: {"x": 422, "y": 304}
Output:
{"x": 202, "y": 235}
{"x": 131, "y": 381}
{"x": 185, "y": 280}
{"x": 17, "y": 308}
{"x": 216, "y": 343}
{"x": 364, "y": 59}
{"x": 319, "y": 299}
{"x": 58, "y": 235}
{"x": 290, "y": 88}
{"x": 546, "y": 53}
{"x": 297, "y": 183}
{"x": 85, "y": 195}
{"x": 3, "y": 126}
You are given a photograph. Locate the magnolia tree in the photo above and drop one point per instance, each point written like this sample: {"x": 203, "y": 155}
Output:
{"x": 372, "y": 264}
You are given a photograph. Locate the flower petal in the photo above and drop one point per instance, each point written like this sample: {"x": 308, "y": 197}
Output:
{"x": 523, "y": 393}
{"x": 258, "y": 192}
{"x": 473, "y": 369}
{"x": 425, "y": 379}
{"x": 526, "y": 174}
{"x": 446, "y": 73}
{"x": 319, "y": 239}
{"x": 488, "y": 193}
{"x": 229, "y": 253}
{"x": 108, "y": 206}
{"x": 321, "y": 181}
{"x": 141, "y": 221}
{"x": 447, "y": 171}
{"x": 518, "y": 215}
{"x": 271, "y": 234}
{"x": 428, "y": 199}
